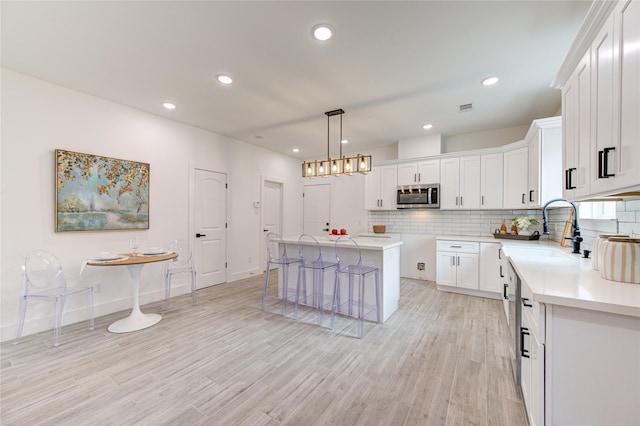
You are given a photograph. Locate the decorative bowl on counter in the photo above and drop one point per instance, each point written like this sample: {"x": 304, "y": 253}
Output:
{"x": 379, "y": 229}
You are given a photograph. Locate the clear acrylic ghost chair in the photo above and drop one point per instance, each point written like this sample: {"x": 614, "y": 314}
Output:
{"x": 277, "y": 257}
{"x": 311, "y": 261}
{"x": 180, "y": 265}
{"x": 349, "y": 257}
{"x": 43, "y": 279}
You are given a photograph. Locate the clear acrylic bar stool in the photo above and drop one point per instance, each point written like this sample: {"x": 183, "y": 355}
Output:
{"x": 349, "y": 257}
{"x": 311, "y": 261}
{"x": 277, "y": 258}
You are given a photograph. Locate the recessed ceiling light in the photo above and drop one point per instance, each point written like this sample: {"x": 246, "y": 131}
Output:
{"x": 224, "y": 79}
{"x": 427, "y": 126}
{"x": 168, "y": 105}
{"x": 322, "y": 32}
{"x": 344, "y": 141}
{"x": 296, "y": 150}
{"x": 490, "y": 81}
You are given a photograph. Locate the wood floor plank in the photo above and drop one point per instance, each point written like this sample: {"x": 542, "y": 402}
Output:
{"x": 441, "y": 359}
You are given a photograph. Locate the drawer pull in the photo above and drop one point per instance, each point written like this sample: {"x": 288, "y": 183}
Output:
{"x": 455, "y": 246}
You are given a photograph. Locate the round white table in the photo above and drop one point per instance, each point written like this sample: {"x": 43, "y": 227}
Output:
{"x": 136, "y": 320}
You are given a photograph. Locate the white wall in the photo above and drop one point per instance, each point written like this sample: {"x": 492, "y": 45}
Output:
{"x": 484, "y": 139}
{"x": 38, "y": 117}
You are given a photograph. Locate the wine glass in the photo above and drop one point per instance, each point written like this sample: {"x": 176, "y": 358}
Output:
{"x": 134, "y": 245}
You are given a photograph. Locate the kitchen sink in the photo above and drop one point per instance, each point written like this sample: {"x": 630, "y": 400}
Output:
{"x": 539, "y": 252}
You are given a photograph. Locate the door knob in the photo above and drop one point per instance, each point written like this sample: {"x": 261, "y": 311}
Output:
{"x": 198, "y": 235}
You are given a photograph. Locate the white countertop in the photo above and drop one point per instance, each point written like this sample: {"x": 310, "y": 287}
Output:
{"x": 365, "y": 243}
{"x": 556, "y": 276}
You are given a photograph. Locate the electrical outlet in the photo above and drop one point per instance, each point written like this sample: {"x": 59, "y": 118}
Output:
{"x": 420, "y": 266}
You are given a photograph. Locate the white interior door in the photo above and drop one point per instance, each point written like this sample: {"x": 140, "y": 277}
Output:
{"x": 210, "y": 227}
{"x": 316, "y": 209}
{"x": 271, "y": 214}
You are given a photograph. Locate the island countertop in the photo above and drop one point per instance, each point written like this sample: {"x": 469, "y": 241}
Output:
{"x": 365, "y": 243}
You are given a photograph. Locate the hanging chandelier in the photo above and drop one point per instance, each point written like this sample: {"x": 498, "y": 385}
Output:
{"x": 336, "y": 166}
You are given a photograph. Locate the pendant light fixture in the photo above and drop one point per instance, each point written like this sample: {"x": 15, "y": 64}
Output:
{"x": 336, "y": 166}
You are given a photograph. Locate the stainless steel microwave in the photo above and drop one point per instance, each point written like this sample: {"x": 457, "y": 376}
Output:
{"x": 419, "y": 196}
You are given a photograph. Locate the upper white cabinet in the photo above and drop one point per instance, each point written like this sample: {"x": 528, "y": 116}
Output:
{"x": 422, "y": 172}
{"x": 626, "y": 25}
{"x": 545, "y": 161}
{"x": 381, "y": 188}
{"x": 516, "y": 178}
{"x": 576, "y": 131}
{"x": 460, "y": 182}
{"x": 491, "y": 175}
{"x": 601, "y": 109}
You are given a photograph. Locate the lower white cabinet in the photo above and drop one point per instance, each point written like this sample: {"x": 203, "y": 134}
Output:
{"x": 532, "y": 338}
{"x": 577, "y": 363}
{"x": 493, "y": 268}
{"x": 457, "y": 264}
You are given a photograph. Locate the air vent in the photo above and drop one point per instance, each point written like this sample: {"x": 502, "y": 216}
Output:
{"x": 465, "y": 107}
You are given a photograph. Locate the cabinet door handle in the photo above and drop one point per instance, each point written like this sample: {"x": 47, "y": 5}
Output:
{"x": 415, "y": 178}
{"x": 460, "y": 201}
{"x": 501, "y": 274}
{"x": 525, "y": 302}
{"x": 569, "y": 180}
{"x": 523, "y": 332}
{"x": 456, "y": 201}
{"x": 482, "y": 200}
{"x": 566, "y": 179}
{"x": 504, "y": 294}
{"x": 458, "y": 260}
{"x": 605, "y": 162}
{"x": 419, "y": 178}
{"x": 522, "y": 198}
{"x": 453, "y": 261}
{"x": 500, "y": 253}
{"x": 381, "y": 203}
{"x": 531, "y": 196}
{"x": 600, "y": 158}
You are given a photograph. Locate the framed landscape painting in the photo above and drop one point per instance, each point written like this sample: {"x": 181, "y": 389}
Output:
{"x": 96, "y": 193}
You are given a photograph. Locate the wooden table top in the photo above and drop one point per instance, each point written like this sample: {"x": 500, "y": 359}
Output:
{"x": 130, "y": 259}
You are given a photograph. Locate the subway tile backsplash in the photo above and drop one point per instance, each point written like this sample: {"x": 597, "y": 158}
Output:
{"x": 482, "y": 223}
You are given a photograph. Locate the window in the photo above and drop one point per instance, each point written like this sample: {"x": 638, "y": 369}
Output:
{"x": 597, "y": 210}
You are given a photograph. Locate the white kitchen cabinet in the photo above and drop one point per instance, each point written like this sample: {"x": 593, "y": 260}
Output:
{"x": 516, "y": 178}
{"x": 545, "y": 161}
{"x": 576, "y": 131}
{"x": 493, "y": 268}
{"x": 626, "y": 24}
{"x": 381, "y": 188}
{"x": 457, "y": 264}
{"x": 615, "y": 77}
{"x": 460, "y": 182}
{"x": 532, "y": 335}
{"x": 491, "y": 175}
{"x": 591, "y": 371}
{"x": 421, "y": 172}
{"x": 603, "y": 109}
{"x": 532, "y": 370}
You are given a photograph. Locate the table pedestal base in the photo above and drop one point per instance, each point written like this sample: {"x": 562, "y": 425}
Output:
{"x": 134, "y": 322}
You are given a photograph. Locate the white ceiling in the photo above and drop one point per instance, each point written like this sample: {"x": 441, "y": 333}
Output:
{"x": 392, "y": 65}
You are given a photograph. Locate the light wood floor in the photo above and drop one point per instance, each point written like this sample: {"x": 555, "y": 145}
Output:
{"x": 441, "y": 359}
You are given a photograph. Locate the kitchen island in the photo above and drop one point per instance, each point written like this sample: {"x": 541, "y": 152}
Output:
{"x": 383, "y": 253}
